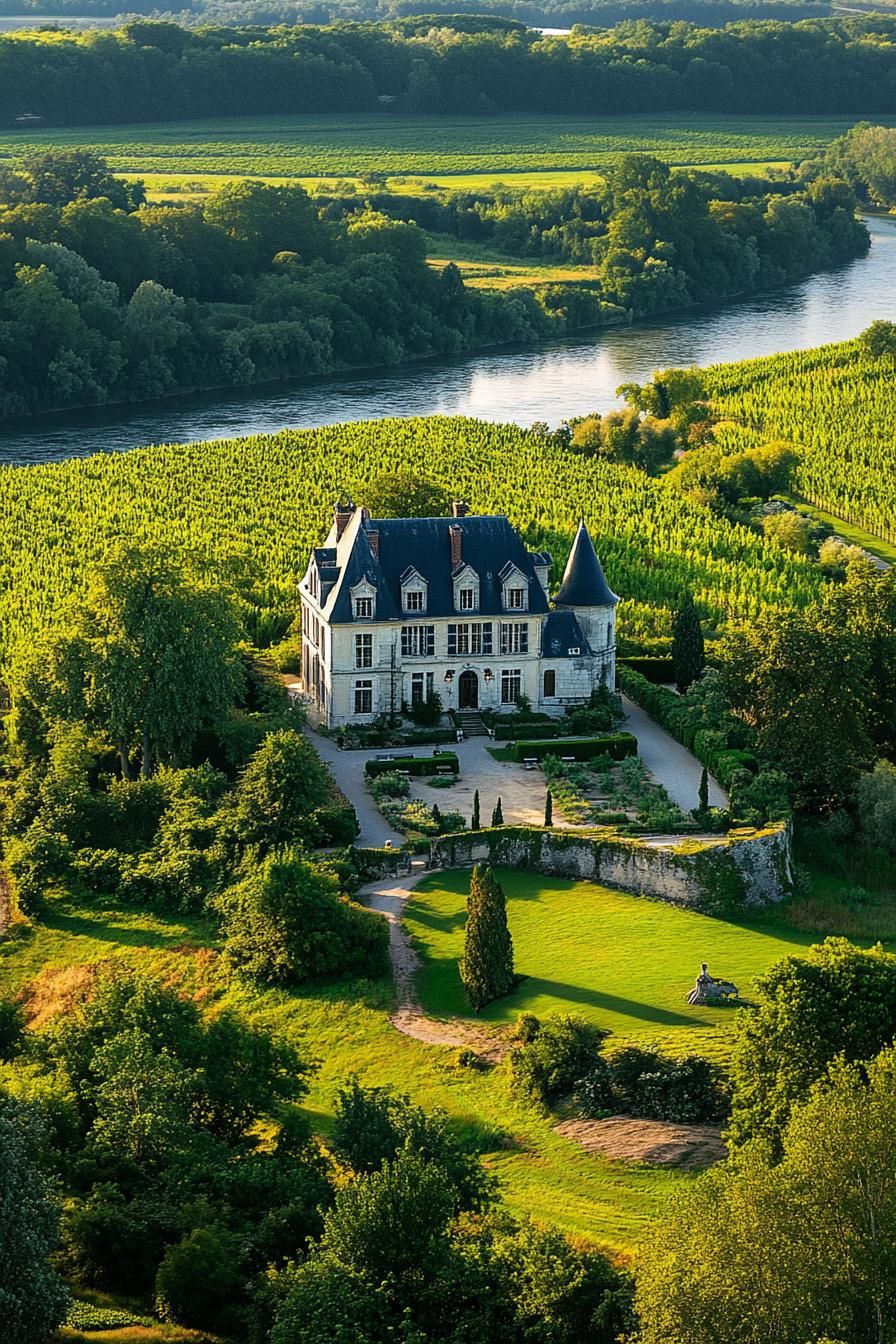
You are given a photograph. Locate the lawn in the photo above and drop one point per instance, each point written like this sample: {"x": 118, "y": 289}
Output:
{"x": 434, "y": 147}
{"x": 622, "y": 961}
{"x": 346, "y": 1029}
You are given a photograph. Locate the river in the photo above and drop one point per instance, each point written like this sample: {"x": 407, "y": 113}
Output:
{"x": 547, "y": 382}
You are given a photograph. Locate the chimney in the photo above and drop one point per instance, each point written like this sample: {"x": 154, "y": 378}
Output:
{"x": 456, "y": 535}
{"x": 373, "y": 537}
{"x": 460, "y": 508}
{"x": 342, "y": 516}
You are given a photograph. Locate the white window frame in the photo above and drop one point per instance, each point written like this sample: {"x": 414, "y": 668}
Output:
{"x": 363, "y": 689}
{"x": 363, "y": 651}
{"x": 471, "y": 639}
{"x": 509, "y": 676}
{"x": 514, "y": 637}
{"x": 415, "y": 600}
{"x": 418, "y": 641}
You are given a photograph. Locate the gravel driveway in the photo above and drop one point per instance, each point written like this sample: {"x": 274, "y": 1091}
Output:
{"x": 671, "y": 764}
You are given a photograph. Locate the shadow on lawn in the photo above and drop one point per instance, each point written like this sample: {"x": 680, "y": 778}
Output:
{"x": 100, "y": 925}
{"x": 593, "y": 998}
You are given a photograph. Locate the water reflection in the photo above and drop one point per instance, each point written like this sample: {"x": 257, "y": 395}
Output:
{"x": 543, "y": 383}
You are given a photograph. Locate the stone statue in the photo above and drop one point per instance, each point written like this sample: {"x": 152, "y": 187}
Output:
{"x": 707, "y": 989}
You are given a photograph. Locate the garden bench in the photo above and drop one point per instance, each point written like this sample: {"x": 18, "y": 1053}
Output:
{"x": 386, "y": 757}
{"x": 530, "y": 762}
{"x": 568, "y": 760}
{"x": 444, "y": 770}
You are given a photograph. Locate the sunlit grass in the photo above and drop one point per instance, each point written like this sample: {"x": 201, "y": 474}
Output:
{"x": 622, "y": 961}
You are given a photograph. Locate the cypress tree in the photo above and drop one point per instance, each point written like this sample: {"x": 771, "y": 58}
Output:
{"x": 549, "y": 808}
{"x": 703, "y": 796}
{"x": 487, "y": 965}
{"x": 437, "y": 815}
{"x": 498, "y": 815}
{"x": 688, "y": 657}
{"x": 474, "y": 819}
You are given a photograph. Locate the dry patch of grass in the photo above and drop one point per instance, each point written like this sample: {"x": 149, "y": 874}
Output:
{"x": 655, "y": 1143}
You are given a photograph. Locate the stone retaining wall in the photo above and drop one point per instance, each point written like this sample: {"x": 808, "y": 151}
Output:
{"x": 734, "y": 873}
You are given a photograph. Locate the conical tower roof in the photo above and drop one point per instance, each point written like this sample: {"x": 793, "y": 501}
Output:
{"x": 583, "y": 583}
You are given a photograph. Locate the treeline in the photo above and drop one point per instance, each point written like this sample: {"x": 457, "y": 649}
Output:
{"x": 467, "y": 15}
{"x": 101, "y": 301}
{"x": 162, "y": 72}
{"x": 865, "y": 157}
{"x": 659, "y": 239}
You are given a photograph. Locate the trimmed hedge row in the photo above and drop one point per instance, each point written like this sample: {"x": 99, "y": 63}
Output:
{"x": 514, "y": 732}
{"x": 656, "y": 670}
{"x": 415, "y": 765}
{"x": 365, "y": 738}
{"x": 615, "y": 745}
{"x": 671, "y": 712}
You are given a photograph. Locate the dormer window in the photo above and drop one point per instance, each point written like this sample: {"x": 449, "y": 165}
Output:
{"x": 413, "y": 591}
{"x": 363, "y": 601}
{"x": 466, "y": 589}
{"x": 514, "y": 588}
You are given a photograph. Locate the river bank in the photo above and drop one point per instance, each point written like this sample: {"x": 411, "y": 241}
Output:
{"x": 521, "y": 385}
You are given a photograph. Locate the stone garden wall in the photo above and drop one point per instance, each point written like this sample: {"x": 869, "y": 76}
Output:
{"x": 736, "y": 872}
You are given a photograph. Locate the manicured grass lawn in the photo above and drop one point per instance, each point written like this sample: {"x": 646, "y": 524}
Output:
{"x": 851, "y": 532}
{"x": 624, "y": 962}
{"x": 346, "y": 1029}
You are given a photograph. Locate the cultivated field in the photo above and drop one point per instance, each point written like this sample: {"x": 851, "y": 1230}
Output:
{"x": 466, "y": 150}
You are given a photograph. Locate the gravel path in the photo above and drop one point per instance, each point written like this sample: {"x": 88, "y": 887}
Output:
{"x": 671, "y": 764}
{"x": 389, "y": 897}
{"x": 348, "y": 771}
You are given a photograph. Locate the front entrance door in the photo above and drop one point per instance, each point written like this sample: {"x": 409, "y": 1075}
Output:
{"x": 468, "y": 691}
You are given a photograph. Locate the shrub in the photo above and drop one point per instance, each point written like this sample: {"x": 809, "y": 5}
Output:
{"x": 197, "y": 1279}
{"x": 564, "y": 1051}
{"x": 12, "y": 1028}
{"x": 526, "y": 1028}
{"x": 335, "y": 824}
{"x": 684, "y": 1091}
{"x": 391, "y": 784}
{"x": 415, "y": 765}
{"x": 616, "y": 746}
{"x": 373, "y": 1124}
{"x": 287, "y": 924}
{"x": 37, "y": 863}
{"x": 428, "y": 712}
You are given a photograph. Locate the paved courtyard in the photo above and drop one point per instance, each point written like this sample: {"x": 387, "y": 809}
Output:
{"x": 522, "y": 792}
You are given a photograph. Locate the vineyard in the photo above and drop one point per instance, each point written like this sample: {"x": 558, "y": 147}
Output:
{"x": 351, "y": 145}
{"x": 837, "y": 405}
{"x": 261, "y": 503}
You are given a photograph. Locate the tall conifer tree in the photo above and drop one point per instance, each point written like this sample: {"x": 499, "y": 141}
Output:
{"x": 487, "y": 965}
{"x": 688, "y": 656}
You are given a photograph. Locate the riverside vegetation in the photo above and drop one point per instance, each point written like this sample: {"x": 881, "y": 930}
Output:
{"x": 107, "y": 299}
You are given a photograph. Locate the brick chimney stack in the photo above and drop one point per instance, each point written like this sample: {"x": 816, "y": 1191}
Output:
{"x": 456, "y": 535}
{"x": 344, "y": 512}
{"x": 460, "y": 508}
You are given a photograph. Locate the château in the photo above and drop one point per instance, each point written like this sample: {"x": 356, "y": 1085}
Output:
{"x": 395, "y": 610}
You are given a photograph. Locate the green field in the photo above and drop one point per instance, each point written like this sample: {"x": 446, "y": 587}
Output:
{"x": 347, "y": 1030}
{"x": 624, "y": 962}
{"x": 434, "y": 147}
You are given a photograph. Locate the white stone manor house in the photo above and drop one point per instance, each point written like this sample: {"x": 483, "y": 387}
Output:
{"x": 394, "y": 609}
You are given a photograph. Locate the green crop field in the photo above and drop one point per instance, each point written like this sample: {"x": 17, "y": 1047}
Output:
{"x": 433, "y": 147}
{"x": 268, "y": 499}
{"x": 837, "y": 406}
{"x": 621, "y": 961}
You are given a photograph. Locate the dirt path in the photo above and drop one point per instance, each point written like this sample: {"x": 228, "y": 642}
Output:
{"x": 389, "y": 897}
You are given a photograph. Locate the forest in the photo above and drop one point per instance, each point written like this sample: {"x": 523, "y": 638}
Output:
{"x": 105, "y": 298}
{"x": 163, "y": 72}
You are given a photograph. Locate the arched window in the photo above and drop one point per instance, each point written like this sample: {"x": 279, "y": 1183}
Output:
{"x": 550, "y": 684}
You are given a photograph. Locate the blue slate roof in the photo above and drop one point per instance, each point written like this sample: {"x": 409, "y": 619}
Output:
{"x": 583, "y": 582}
{"x": 563, "y": 637}
{"x": 489, "y": 545}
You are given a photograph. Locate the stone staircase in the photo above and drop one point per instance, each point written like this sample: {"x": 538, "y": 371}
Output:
{"x": 471, "y": 723}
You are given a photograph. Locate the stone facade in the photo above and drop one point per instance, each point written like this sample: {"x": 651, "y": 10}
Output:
{"x": 394, "y": 610}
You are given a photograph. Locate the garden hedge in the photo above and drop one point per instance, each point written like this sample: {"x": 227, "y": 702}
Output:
{"x": 513, "y": 732}
{"x": 415, "y": 765}
{"x": 615, "y": 745}
{"x": 659, "y": 671}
